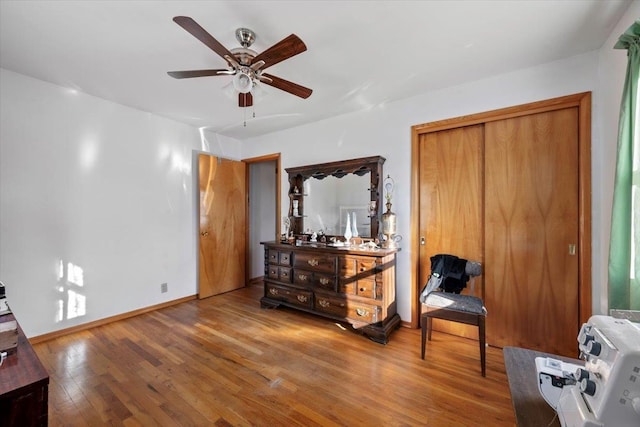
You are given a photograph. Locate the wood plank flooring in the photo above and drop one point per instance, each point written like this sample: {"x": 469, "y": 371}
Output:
{"x": 224, "y": 361}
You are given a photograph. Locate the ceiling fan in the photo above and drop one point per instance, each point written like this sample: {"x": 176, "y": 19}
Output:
{"x": 245, "y": 65}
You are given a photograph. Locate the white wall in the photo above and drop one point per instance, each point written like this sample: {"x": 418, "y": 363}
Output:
{"x": 386, "y": 130}
{"x": 99, "y": 185}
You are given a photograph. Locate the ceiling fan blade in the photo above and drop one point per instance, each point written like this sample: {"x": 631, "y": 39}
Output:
{"x": 201, "y": 34}
{"x": 199, "y": 73}
{"x": 284, "y": 49}
{"x": 286, "y": 85}
{"x": 245, "y": 99}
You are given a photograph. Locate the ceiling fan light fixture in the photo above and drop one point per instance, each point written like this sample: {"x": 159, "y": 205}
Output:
{"x": 242, "y": 81}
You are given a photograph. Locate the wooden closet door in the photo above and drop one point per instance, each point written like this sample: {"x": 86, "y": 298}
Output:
{"x": 451, "y": 196}
{"x": 531, "y": 231}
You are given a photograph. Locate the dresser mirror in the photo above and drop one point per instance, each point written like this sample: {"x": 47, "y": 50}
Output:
{"x": 323, "y": 196}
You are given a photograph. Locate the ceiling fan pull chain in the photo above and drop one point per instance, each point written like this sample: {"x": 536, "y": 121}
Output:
{"x": 244, "y": 109}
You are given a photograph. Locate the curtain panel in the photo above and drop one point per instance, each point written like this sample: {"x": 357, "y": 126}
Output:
{"x": 624, "y": 250}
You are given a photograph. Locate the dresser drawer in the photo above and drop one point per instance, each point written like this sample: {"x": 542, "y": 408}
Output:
{"x": 347, "y": 287}
{"x": 302, "y": 277}
{"x": 284, "y": 258}
{"x": 325, "y": 281}
{"x": 290, "y": 295}
{"x": 358, "y": 268}
{"x": 363, "y": 288}
{"x": 281, "y": 274}
{"x": 312, "y": 279}
{"x": 345, "y": 308}
{"x": 360, "y": 276}
{"x": 284, "y": 274}
{"x": 277, "y": 257}
{"x": 316, "y": 262}
{"x": 273, "y": 272}
{"x": 366, "y": 288}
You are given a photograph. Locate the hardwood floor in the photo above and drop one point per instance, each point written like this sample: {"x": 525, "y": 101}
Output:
{"x": 225, "y": 361}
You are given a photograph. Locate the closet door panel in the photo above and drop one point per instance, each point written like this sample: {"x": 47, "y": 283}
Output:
{"x": 531, "y": 231}
{"x": 451, "y": 182}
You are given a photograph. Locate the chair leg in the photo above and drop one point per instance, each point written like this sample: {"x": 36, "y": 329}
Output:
{"x": 429, "y": 327}
{"x": 483, "y": 348}
{"x": 424, "y": 335}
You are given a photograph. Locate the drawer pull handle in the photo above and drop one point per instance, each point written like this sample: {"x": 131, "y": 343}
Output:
{"x": 273, "y": 291}
{"x": 362, "y": 312}
{"x": 302, "y": 298}
{"x": 363, "y": 289}
{"x": 324, "y": 281}
{"x": 324, "y": 303}
{"x": 313, "y": 262}
{"x": 303, "y": 277}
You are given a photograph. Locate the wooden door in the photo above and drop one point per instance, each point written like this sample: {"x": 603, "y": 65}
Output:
{"x": 531, "y": 231}
{"x": 451, "y": 196}
{"x": 223, "y": 213}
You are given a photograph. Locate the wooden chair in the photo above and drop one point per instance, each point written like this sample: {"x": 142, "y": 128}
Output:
{"x": 460, "y": 308}
{"x": 441, "y": 298}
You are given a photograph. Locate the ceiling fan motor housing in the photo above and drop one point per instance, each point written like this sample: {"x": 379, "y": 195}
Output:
{"x": 245, "y": 36}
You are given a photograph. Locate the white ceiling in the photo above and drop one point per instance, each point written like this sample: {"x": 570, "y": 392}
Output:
{"x": 360, "y": 54}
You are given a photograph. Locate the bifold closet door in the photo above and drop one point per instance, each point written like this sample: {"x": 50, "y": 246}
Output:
{"x": 531, "y": 231}
{"x": 451, "y": 194}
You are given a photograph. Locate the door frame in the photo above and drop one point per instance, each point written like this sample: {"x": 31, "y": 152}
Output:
{"x": 250, "y": 161}
{"x": 580, "y": 100}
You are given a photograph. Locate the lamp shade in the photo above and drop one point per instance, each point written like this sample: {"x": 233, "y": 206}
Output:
{"x": 242, "y": 82}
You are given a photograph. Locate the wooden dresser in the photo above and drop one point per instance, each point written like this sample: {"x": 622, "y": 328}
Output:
{"x": 24, "y": 387}
{"x": 346, "y": 284}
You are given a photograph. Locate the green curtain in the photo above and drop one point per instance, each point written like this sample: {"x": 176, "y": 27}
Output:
{"x": 624, "y": 250}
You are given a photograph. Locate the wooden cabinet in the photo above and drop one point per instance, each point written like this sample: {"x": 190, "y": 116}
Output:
{"x": 24, "y": 387}
{"x": 351, "y": 285}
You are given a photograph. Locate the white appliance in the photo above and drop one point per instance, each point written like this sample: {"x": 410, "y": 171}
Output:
{"x": 607, "y": 388}
{"x": 553, "y": 375}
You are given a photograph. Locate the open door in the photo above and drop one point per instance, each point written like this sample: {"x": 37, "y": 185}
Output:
{"x": 223, "y": 216}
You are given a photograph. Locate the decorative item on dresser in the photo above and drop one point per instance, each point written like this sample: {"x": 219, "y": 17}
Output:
{"x": 349, "y": 284}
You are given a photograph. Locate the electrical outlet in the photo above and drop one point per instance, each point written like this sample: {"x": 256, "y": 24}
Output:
{"x": 163, "y": 287}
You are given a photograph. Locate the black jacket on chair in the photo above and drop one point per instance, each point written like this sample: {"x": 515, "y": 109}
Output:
{"x": 452, "y": 269}
{"x": 447, "y": 272}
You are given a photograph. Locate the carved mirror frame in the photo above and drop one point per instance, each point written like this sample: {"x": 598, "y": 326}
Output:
{"x": 360, "y": 167}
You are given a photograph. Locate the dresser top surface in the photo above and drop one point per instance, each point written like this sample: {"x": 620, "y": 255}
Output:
{"x": 22, "y": 367}
{"x": 322, "y": 247}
